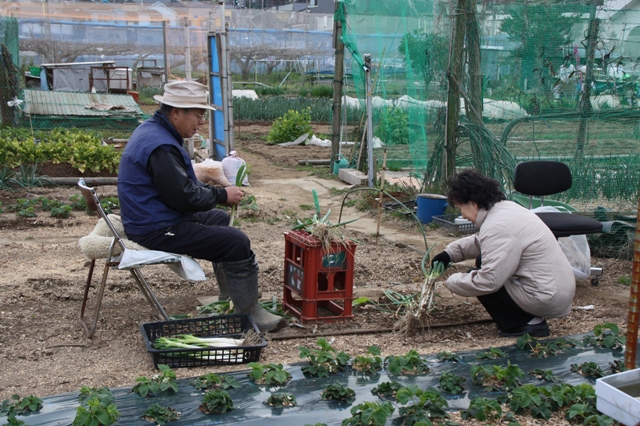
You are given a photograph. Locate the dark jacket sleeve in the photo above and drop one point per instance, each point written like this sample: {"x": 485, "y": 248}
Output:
{"x": 167, "y": 169}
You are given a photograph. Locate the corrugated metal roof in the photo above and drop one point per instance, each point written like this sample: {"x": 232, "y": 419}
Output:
{"x": 42, "y": 102}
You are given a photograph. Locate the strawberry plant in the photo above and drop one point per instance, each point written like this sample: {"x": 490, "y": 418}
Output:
{"x": 109, "y": 204}
{"x": 78, "y": 203}
{"x": 588, "y": 369}
{"x": 98, "y": 411}
{"x": 281, "y": 400}
{"x": 565, "y": 395}
{"x": 370, "y": 363}
{"x": 531, "y": 399}
{"x": 387, "y": 389}
{"x": 324, "y": 361}
{"x": 425, "y": 405}
{"x": 8, "y": 407}
{"x": 104, "y": 394}
{"x": 617, "y": 366}
{"x": 482, "y": 409}
{"x": 61, "y": 212}
{"x": 448, "y": 356}
{"x": 213, "y": 381}
{"x": 496, "y": 378}
{"x": 26, "y": 212}
{"x": 546, "y": 375}
{"x": 20, "y": 406}
{"x": 369, "y": 414}
{"x": 606, "y": 336}
{"x": 269, "y": 374}
{"x": 160, "y": 415}
{"x": 338, "y": 392}
{"x": 492, "y": 353}
{"x": 409, "y": 364}
{"x": 543, "y": 350}
{"x": 165, "y": 381}
{"x": 451, "y": 383}
{"x": 12, "y": 421}
{"x": 581, "y": 400}
{"x": 216, "y": 402}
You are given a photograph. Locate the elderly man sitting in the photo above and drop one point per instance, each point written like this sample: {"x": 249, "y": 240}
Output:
{"x": 164, "y": 206}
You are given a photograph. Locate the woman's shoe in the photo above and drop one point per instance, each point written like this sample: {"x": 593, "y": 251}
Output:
{"x": 533, "y": 330}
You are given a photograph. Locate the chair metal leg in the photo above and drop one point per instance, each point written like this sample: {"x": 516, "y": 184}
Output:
{"x": 596, "y": 274}
{"x": 142, "y": 285}
{"x": 84, "y": 298}
{"x": 91, "y": 331}
{"x": 151, "y": 298}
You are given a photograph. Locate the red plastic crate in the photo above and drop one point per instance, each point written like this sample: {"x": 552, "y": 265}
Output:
{"x": 317, "y": 278}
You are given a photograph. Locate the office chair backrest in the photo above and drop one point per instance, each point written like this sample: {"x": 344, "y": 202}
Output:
{"x": 540, "y": 178}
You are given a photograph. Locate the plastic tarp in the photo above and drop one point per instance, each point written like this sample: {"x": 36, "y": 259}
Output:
{"x": 249, "y": 399}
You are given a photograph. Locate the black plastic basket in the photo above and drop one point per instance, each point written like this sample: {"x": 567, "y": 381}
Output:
{"x": 448, "y": 221}
{"x": 232, "y": 326}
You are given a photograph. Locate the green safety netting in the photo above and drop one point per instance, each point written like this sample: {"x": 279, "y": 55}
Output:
{"x": 545, "y": 80}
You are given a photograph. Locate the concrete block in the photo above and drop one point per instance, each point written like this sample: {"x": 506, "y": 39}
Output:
{"x": 352, "y": 176}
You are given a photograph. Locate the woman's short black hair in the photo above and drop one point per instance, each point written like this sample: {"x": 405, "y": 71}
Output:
{"x": 471, "y": 185}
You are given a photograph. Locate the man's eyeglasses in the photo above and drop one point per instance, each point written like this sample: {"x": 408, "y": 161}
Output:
{"x": 201, "y": 116}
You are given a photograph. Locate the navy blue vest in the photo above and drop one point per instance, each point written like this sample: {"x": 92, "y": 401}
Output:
{"x": 141, "y": 206}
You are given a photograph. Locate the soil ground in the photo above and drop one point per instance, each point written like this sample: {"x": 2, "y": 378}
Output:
{"x": 44, "y": 351}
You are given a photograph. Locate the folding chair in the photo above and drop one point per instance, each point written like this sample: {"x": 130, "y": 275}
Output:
{"x": 541, "y": 178}
{"x": 93, "y": 204}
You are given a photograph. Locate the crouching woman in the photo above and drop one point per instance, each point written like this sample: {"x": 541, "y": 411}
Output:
{"x": 522, "y": 276}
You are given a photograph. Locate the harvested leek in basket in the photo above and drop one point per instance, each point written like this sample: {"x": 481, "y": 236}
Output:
{"x": 189, "y": 341}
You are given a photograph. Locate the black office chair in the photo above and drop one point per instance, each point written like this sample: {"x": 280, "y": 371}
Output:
{"x": 541, "y": 178}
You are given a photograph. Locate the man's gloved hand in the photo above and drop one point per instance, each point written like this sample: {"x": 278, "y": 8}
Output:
{"x": 441, "y": 257}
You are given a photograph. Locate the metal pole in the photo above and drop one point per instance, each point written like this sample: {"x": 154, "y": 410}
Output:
{"x": 164, "y": 51}
{"x": 631, "y": 346}
{"x": 187, "y": 49}
{"x": 225, "y": 83}
{"x": 369, "y": 94}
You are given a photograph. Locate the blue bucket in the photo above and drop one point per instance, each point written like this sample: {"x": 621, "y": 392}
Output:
{"x": 429, "y": 205}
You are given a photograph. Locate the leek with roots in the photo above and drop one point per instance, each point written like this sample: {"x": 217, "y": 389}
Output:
{"x": 189, "y": 341}
{"x": 242, "y": 173}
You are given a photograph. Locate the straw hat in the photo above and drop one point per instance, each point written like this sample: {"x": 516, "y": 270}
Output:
{"x": 185, "y": 94}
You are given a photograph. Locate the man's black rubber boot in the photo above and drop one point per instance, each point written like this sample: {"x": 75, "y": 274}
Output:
{"x": 533, "y": 330}
{"x": 241, "y": 279}
{"x": 222, "y": 284}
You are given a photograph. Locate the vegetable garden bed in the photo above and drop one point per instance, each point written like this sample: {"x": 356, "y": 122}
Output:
{"x": 249, "y": 398}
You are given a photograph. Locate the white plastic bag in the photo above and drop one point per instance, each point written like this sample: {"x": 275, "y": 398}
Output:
{"x": 230, "y": 165}
{"x": 574, "y": 247}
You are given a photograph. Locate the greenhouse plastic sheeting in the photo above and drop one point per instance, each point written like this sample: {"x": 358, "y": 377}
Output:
{"x": 249, "y": 399}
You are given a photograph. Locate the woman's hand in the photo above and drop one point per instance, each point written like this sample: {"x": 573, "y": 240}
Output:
{"x": 441, "y": 257}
